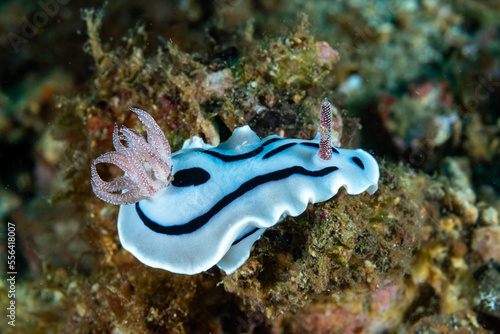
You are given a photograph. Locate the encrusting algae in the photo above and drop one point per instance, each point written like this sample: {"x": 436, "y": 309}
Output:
{"x": 417, "y": 255}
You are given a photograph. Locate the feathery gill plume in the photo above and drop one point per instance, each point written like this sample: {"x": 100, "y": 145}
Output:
{"x": 146, "y": 163}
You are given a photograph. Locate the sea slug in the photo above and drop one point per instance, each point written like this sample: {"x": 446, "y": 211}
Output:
{"x": 203, "y": 206}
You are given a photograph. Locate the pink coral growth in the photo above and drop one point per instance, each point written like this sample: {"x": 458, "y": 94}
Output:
{"x": 147, "y": 164}
{"x": 325, "y": 131}
{"x": 326, "y": 54}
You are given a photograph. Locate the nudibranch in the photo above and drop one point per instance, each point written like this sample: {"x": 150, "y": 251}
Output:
{"x": 203, "y": 205}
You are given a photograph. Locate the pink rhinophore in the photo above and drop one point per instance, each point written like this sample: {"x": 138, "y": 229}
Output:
{"x": 325, "y": 130}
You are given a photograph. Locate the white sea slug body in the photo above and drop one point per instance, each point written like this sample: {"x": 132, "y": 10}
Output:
{"x": 222, "y": 199}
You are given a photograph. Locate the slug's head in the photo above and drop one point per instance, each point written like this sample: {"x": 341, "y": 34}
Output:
{"x": 359, "y": 170}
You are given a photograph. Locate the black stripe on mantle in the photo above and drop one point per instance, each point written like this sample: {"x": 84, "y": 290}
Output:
{"x": 278, "y": 150}
{"x": 246, "y": 235}
{"x": 258, "y": 150}
{"x": 238, "y": 157}
{"x": 200, "y": 221}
